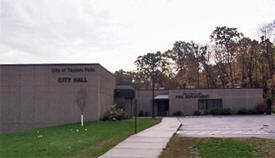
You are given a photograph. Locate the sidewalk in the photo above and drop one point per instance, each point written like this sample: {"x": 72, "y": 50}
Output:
{"x": 146, "y": 144}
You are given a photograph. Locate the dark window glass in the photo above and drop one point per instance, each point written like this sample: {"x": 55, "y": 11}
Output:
{"x": 202, "y": 105}
{"x": 209, "y": 104}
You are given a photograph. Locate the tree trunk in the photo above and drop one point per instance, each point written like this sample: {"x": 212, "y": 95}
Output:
{"x": 207, "y": 80}
{"x": 256, "y": 78}
{"x": 231, "y": 75}
{"x": 243, "y": 72}
{"x": 198, "y": 78}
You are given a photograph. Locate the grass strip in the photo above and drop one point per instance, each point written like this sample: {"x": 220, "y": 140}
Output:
{"x": 71, "y": 140}
{"x": 185, "y": 147}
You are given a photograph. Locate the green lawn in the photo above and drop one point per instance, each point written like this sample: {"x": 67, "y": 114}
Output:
{"x": 92, "y": 140}
{"x": 183, "y": 147}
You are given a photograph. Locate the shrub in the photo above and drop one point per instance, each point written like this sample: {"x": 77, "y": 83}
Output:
{"x": 219, "y": 111}
{"x": 226, "y": 111}
{"x": 114, "y": 114}
{"x": 252, "y": 111}
{"x": 243, "y": 111}
{"x": 206, "y": 113}
{"x": 214, "y": 112}
{"x": 247, "y": 111}
{"x": 141, "y": 113}
{"x": 197, "y": 113}
{"x": 261, "y": 108}
{"x": 269, "y": 105}
{"x": 147, "y": 114}
{"x": 177, "y": 113}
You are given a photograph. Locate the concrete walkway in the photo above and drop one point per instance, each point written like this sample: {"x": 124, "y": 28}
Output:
{"x": 146, "y": 144}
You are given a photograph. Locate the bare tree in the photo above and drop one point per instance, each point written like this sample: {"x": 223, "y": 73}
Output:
{"x": 81, "y": 99}
{"x": 268, "y": 31}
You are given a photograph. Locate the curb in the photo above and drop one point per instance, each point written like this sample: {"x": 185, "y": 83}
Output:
{"x": 178, "y": 127}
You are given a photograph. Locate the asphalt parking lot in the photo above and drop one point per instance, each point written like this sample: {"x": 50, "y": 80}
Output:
{"x": 262, "y": 126}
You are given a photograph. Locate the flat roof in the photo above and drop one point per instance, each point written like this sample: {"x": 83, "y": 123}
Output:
{"x": 191, "y": 89}
{"x": 50, "y": 64}
{"x": 59, "y": 64}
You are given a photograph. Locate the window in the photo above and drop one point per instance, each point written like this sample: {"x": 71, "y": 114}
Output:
{"x": 209, "y": 104}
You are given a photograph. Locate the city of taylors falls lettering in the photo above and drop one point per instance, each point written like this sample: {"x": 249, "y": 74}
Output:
{"x": 191, "y": 96}
{"x": 72, "y": 70}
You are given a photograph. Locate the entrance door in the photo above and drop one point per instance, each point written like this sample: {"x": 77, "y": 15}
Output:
{"x": 163, "y": 107}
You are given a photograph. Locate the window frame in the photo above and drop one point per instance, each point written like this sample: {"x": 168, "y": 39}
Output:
{"x": 210, "y": 104}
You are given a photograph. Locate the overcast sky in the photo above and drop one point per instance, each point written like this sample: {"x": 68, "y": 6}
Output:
{"x": 114, "y": 32}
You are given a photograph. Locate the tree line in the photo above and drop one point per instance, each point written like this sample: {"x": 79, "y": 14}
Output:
{"x": 229, "y": 60}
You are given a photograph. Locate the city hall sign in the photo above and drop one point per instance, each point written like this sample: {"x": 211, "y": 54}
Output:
{"x": 191, "y": 96}
{"x": 81, "y": 79}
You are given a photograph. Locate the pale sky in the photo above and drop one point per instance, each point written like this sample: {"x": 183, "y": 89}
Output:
{"x": 115, "y": 32}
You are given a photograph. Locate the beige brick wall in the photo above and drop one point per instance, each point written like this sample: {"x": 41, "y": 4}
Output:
{"x": 234, "y": 99}
{"x": 144, "y": 100}
{"x": 107, "y": 86}
{"x": 33, "y": 96}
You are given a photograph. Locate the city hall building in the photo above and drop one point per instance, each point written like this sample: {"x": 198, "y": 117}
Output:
{"x": 41, "y": 95}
